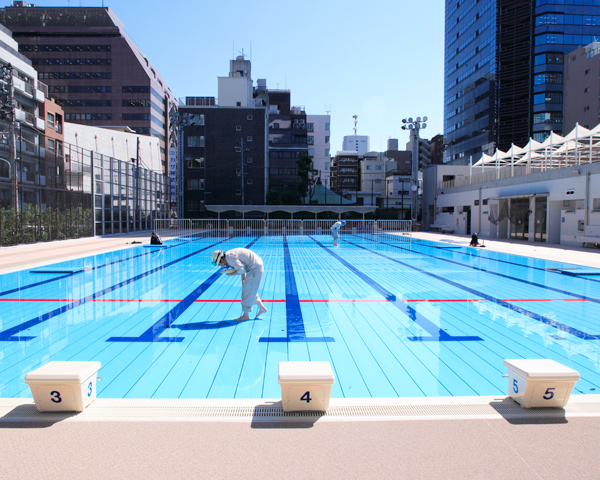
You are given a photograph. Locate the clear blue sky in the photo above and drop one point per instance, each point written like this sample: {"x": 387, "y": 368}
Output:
{"x": 382, "y": 60}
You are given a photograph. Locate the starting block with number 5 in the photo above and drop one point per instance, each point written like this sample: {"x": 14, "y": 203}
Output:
{"x": 305, "y": 385}
{"x": 63, "y": 386}
{"x": 540, "y": 382}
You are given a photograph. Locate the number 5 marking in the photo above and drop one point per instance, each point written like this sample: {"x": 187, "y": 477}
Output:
{"x": 549, "y": 393}
{"x": 515, "y": 386}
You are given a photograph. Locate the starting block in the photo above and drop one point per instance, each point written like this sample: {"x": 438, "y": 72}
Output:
{"x": 305, "y": 385}
{"x": 63, "y": 386}
{"x": 540, "y": 382}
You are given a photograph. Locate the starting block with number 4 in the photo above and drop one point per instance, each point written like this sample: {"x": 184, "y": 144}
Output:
{"x": 63, "y": 386}
{"x": 540, "y": 382}
{"x": 305, "y": 385}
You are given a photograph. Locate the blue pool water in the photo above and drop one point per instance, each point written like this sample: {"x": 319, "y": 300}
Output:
{"x": 395, "y": 318}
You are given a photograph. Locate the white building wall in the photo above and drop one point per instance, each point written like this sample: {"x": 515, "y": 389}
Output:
{"x": 356, "y": 143}
{"x": 234, "y": 90}
{"x": 116, "y": 144}
{"x": 320, "y": 149}
{"x": 573, "y": 203}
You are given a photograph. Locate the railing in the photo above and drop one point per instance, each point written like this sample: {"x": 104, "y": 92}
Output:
{"x": 195, "y": 229}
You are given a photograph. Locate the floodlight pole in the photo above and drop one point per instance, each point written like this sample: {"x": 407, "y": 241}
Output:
{"x": 414, "y": 126}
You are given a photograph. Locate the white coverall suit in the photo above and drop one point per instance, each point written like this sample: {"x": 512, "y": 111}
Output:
{"x": 335, "y": 232}
{"x": 248, "y": 262}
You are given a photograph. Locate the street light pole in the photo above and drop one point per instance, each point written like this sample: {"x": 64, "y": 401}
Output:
{"x": 414, "y": 126}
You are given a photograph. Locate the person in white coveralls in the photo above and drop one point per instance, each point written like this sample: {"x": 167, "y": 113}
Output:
{"x": 249, "y": 265}
{"x": 336, "y": 233}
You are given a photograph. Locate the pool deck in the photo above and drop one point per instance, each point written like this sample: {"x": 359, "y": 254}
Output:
{"x": 431, "y": 438}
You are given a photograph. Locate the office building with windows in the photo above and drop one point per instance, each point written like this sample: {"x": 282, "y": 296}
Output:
{"x": 223, "y": 156}
{"x": 319, "y": 144}
{"x": 504, "y": 70}
{"x": 93, "y": 69}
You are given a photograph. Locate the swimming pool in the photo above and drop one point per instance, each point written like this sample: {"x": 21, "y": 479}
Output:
{"x": 395, "y": 317}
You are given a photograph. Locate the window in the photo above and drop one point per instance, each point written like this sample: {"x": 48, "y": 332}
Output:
{"x": 238, "y": 128}
{"x": 586, "y": 109}
{"x": 51, "y": 144}
{"x": 249, "y": 181}
{"x": 249, "y": 138}
{"x": 50, "y": 120}
{"x": 248, "y": 117}
{"x": 276, "y": 125}
{"x": 195, "y": 141}
{"x": 248, "y": 159}
{"x": 327, "y": 139}
{"x": 476, "y": 202}
{"x": 587, "y": 71}
{"x": 194, "y": 162}
{"x": 310, "y": 140}
{"x": 586, "y": 89}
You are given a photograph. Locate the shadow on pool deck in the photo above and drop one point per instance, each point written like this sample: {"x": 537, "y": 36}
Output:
{"x": 557, "y": 447}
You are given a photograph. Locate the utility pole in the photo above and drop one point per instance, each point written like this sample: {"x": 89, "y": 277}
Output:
{"x": 414, "y": 126}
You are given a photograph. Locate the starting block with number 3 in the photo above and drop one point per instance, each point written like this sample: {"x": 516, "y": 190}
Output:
{"x": 540, "y": 382}
{"x": 63, "y": 386}
{"x": 305, "y": 385}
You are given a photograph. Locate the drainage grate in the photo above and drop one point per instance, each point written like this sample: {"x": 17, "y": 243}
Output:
{"x": 145, "y": 410}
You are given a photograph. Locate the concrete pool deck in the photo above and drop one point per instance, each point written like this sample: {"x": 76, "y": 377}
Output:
{"x": 430, "y": 438}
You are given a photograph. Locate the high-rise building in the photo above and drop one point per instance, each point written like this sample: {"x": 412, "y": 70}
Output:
{"x": 92, "y": 68}
{"x": 504, "y": 67}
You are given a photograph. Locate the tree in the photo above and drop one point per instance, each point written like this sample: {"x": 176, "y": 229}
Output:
{"x": 306, "y": 174}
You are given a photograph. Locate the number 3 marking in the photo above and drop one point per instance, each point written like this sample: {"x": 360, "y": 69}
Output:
{"x": 90, "y": 389}
{"x": 55, "y": 396}
{"x": 549, "y": 393}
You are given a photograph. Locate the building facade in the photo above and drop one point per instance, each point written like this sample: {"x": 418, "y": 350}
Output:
{"x": 224, "y": 156}
{"x": 582, "y": 92}
{"x": 288, "y": 142}
{"x": 93, "y": 69}
{"x": 356, "y": 143}
{"x": 345, "y": 172}
{"x": 504, "y": 69}
{"x": 319, "y": 145}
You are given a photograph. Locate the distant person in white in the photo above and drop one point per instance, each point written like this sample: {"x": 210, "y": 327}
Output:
{"x": 335, "y": 232}
{"x": 249, "y": 265}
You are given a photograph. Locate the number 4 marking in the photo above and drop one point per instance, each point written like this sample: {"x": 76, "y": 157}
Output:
{"x": 306, "y": 397}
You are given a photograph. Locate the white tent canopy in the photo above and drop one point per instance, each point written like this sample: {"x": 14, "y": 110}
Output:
{"x": 581, "y": 145}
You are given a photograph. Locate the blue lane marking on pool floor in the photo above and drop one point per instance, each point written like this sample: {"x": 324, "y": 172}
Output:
{"x": 293, "y": 310}
{"x": 153, "y": 334}
{"x": 540, "y": 318}
{"x": 486, "y": 257}
{"x": 435, "y": 332}
{"x": 12, "y": 334}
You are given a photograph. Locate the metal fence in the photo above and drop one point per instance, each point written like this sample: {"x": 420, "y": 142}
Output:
{"x": 195, "y": 229}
